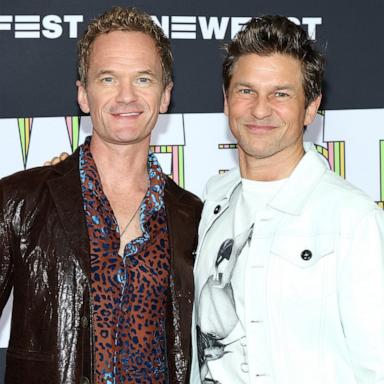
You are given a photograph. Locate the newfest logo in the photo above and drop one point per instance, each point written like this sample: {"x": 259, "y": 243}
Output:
{"x": 175, "y": 27}
{"x": 36, "y": 26}
{"x": 213, "y": 27}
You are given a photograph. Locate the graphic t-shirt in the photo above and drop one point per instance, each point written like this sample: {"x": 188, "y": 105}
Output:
{"x": 222, "y": 341}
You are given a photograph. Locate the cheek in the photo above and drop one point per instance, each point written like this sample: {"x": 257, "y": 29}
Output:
{"x": 94, "y": 107}
{"x": 101, "y": 96}
{"x": 238, "y": 109}
{"x": 100, "y": 104}
{"x": 155, "y": 102}
{"x": 289, "y": 113}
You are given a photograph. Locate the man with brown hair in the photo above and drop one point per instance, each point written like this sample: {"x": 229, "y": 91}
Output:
{"x": 289, "y": 272}
{"x": 99, "y": 248}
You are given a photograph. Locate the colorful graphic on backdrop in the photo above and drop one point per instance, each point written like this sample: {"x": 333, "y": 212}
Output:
{"x": 226, "y": 146}
{"x": 335, "y": 154}
{"x": 335, "y": 151}
{"x": 73, "y": 126}
{"x": 381, "y": 202}
{"x": 177, "y": 167}
{"x": 25, "y": 131}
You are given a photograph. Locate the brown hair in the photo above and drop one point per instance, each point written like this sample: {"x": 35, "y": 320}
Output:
{"x": 267, "y": 35}
{"x": 130, "y": 20}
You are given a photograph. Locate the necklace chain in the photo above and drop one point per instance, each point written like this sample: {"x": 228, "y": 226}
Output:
{"x": 134, "y": 214}
{"x": 130, "y": 221}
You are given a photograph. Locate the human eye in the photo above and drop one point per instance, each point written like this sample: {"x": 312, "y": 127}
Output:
{"x": 143, "y": 80}
{"x": 106, "y": 80}
{"x": 281, "y": 94}
{"x": 245, "y": 91}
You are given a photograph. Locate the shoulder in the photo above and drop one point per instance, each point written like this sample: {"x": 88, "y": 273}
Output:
{"x": 341, "y": 204}
{"x": 220, "y": 186}
{"x": 338, "y": 190}
{"x": 34, "y": 179}
{"x": 332, "y": 189}
{"x": 175, "y": 193}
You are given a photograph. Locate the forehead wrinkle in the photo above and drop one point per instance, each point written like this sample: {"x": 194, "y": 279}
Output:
{"x": 268, "y": 72}
{"x": 119, "y": 48}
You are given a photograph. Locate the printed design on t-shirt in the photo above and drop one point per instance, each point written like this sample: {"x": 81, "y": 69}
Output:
{"x": 218, "y": 324}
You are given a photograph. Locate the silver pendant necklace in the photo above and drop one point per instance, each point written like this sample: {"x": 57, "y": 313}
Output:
{"x": 130, "y": 220}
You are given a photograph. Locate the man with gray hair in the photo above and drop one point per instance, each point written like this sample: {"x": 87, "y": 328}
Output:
{"x": 289, "y": 272}
{"x": 98, "y": 249}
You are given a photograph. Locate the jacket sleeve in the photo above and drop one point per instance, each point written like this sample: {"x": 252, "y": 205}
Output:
{"x": 361, "y": 298}
{"x": 6, "y": 262}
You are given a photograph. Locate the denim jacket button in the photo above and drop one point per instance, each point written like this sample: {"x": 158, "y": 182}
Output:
{"x": 306, "y": 255}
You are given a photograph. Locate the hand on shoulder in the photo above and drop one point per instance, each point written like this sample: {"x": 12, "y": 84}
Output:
{"x": 57, "y": 159}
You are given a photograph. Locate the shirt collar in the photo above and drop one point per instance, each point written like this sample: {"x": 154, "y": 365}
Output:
{"x": 154, "y": 198}
{"x": 292, "y": 196}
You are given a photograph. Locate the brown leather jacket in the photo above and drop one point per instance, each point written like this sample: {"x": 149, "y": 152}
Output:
{"x": 44, "y": 257}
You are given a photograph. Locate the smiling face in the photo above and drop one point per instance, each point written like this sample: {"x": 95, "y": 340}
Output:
{"x": 124, "y": 92}
{"x": 265, "y": 104}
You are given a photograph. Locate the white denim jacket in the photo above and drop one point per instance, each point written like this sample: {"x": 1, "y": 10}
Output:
{"x": 314, "y": 286}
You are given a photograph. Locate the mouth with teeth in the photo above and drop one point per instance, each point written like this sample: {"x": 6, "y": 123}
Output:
{"x": 126, "y": 114}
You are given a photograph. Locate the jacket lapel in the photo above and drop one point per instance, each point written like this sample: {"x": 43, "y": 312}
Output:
{"x": 66, "y": 194}
{"x": 182, "y": 228}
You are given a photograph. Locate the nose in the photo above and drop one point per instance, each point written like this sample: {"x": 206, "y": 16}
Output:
{"x": 126, "y": 92}
{"x": 261, "y": 107}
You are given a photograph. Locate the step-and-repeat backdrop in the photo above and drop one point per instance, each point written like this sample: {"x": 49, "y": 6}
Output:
{"x": 39, "y": 117}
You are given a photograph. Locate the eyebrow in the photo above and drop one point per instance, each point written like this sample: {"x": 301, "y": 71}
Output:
{"x": 105, "y": 72}
{"x": 113, "y": 72}
{"x": 241, "y": 84}
{"x": 285, "y": 86}
{"x": 146, "y": 72}
{"x": 275, "y": 88}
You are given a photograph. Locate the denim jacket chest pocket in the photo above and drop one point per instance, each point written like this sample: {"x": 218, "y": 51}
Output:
{"x": 304, "y": 266}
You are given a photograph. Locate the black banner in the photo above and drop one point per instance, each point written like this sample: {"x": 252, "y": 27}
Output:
{"x": 38, "y": 40}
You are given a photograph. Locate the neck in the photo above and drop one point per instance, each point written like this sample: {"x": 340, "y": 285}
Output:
{"x": 276, "y": 167}
{"x": 121, "y": 166}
